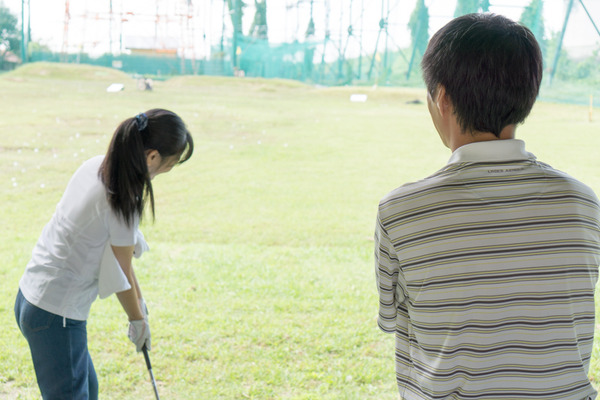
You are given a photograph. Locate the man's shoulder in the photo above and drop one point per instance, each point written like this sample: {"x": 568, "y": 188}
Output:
{"x": 566, "y": 179}
{"x": 455, "y": 181}
{"x": 415, "y": 188}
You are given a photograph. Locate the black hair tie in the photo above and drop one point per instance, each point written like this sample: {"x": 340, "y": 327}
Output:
{"x": 142, "y": 121}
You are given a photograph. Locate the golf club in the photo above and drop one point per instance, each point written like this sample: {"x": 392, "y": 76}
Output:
{"x": 145, "y": 350}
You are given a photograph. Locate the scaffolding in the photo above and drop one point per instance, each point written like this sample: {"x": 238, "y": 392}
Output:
{"x": 562, "y": 34}
{"x": 323, "y": 41}
{"x": 172, "y": 24}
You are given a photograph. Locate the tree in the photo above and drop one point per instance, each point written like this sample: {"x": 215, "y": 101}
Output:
{"x": 564, "y": 66}
{"x": 259, "y": 27}
{"x": 9, "y": 33}
{"x": 532, "y": 18}
{"x": 419, "y": 32}
{"x": 419, "y": 27}
{"x": 236, "y": 10}
{"x": 471, "y": 6}
{"x": 587, "y": 69}
{"x": 466, "y": 7}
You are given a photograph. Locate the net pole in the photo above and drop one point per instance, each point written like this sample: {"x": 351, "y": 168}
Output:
{"x": 562, "y": 35}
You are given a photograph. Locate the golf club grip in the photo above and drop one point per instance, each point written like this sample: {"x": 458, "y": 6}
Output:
{"x": 146, "y": 357}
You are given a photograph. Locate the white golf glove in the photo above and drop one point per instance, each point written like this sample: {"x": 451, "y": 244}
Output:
{"x": 139, "y": 333}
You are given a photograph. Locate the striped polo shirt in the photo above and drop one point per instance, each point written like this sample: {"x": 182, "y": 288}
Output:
{"x": 486, "y": 273}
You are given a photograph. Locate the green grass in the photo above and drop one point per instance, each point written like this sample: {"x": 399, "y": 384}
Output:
{"x": 260, "y": 280}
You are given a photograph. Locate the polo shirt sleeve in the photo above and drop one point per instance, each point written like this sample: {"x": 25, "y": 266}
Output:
{"x": 387, "y": 270}
{"x": 119, "y": 234}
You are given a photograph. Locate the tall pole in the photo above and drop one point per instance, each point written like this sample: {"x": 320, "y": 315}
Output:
{"x": 190, "y": 34}
{"x": 235, "y": 33}
{"x": 65, "y": 44}
{"x": 121, "y": 22}
{"x": 387, "y": 36}
{"x": 588, "y": 14}
{"x": 309, "y": 52}
{"x": 350, "y": 35}
{"x": 327, "y": 36}
{"x": 110, "y": 21}
{"x": 183, "y": 44}
{"x": 156, "y": 22}
{"x": 23, "y": 44}
{"x": 562, "y": 35}
{"x": 222, "y": 48}
{"x": 29, "y": 23}
{"x": 223, "y": 30}
{"x": 362, "y": 19}
{"x": 382, "y": 23}
{"x": 341, "y": 55}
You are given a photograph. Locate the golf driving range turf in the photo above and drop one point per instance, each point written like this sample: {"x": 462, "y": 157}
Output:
{"x": 260, "y": 281}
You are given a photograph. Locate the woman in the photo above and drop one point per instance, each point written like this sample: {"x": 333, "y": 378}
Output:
{"x": 95, "y": 222}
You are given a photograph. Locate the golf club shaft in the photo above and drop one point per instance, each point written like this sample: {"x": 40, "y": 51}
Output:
{"x": 147, "y": 357}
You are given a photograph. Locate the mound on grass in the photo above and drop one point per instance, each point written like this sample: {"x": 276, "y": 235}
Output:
{"x": 250, "y": 86}
{"x": 68, "y": 72}
{"x": 246, "y": 83}
{"x": 104, "y": 75}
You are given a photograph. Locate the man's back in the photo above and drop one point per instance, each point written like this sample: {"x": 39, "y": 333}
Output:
{"x": 486, "y": 272}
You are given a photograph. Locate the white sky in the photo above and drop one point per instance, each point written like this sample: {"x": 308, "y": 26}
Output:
{"x": 92, "y": 30}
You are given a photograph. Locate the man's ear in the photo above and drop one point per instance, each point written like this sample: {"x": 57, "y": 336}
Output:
{"x": 442, "y": 101}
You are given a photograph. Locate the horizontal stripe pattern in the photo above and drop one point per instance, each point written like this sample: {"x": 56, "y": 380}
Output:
{"x": 486, "y": 275}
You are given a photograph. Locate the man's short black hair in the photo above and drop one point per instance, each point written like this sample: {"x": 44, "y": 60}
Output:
{"x": 491, "y": 68}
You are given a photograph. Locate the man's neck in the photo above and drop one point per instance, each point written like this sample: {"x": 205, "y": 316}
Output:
{"x": 460, "y": 138}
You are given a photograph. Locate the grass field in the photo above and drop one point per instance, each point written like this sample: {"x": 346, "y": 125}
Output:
{"x": 260, "y": 280}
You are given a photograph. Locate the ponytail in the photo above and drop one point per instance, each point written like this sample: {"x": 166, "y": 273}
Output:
{"x": 124, "y": 171}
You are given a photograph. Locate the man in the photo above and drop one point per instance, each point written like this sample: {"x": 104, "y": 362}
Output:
{"x": 486, "y": 269}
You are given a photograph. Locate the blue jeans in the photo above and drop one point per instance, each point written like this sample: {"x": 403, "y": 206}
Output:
{"x": 61, "y": 359}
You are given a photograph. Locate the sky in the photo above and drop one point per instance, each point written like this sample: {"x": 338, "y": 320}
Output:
{"x": 164, "y": 23}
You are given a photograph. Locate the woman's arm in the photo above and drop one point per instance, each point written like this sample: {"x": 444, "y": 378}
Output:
{"x": 129, "y": 299}
{"x": 137, "y": 285}
{"x": 141, "y": 300}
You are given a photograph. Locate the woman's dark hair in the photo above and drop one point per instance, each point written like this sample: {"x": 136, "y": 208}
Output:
{"x": 124, "y": 170}
{"x": 491, "y": 68}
